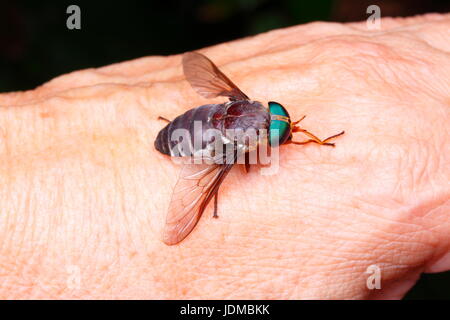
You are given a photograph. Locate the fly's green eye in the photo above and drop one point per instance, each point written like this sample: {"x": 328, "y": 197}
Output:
{"x": 280, "y": 124}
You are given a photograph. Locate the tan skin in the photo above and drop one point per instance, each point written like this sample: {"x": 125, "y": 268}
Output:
{"x": 84, "y": 193}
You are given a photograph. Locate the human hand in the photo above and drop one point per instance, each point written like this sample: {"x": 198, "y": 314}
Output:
{"x": 84, "y": 193}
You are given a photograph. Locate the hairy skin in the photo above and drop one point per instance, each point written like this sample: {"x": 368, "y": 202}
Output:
{"x": 83, "y": 192}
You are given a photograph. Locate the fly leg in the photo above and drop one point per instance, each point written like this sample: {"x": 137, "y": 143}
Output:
{"x": 247, "y": 163}
{"x": 164, "y": 119}
{"x": 312, "y": 138}
{"x": 215, "y": 206}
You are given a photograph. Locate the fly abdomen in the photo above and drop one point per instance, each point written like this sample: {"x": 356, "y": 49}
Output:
{"x": 184, "y": 136}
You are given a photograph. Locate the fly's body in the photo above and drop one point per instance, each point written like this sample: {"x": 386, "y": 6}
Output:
{"x": 217, "y": 133}
{"x": 225, "y": 118}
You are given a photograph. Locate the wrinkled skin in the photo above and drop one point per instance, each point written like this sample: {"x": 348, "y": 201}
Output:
{"x": 84, "y": 193}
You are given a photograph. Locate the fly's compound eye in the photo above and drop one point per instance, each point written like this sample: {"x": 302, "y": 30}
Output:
{"x": 280, "y": 124}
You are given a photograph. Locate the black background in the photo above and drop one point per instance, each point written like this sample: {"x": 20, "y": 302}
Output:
{"x": 36, "y": 46}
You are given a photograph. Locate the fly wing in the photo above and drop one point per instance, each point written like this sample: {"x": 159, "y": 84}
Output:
{"x": 196, "y": 186}
{"x": 206, "y": 78}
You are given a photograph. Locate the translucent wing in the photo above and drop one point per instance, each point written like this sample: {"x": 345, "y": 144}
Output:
{"x": 195, "y": 187}
{"x": 207, "y": 79}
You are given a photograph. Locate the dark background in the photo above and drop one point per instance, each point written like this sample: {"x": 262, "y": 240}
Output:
{"x": 36, "y": 46}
